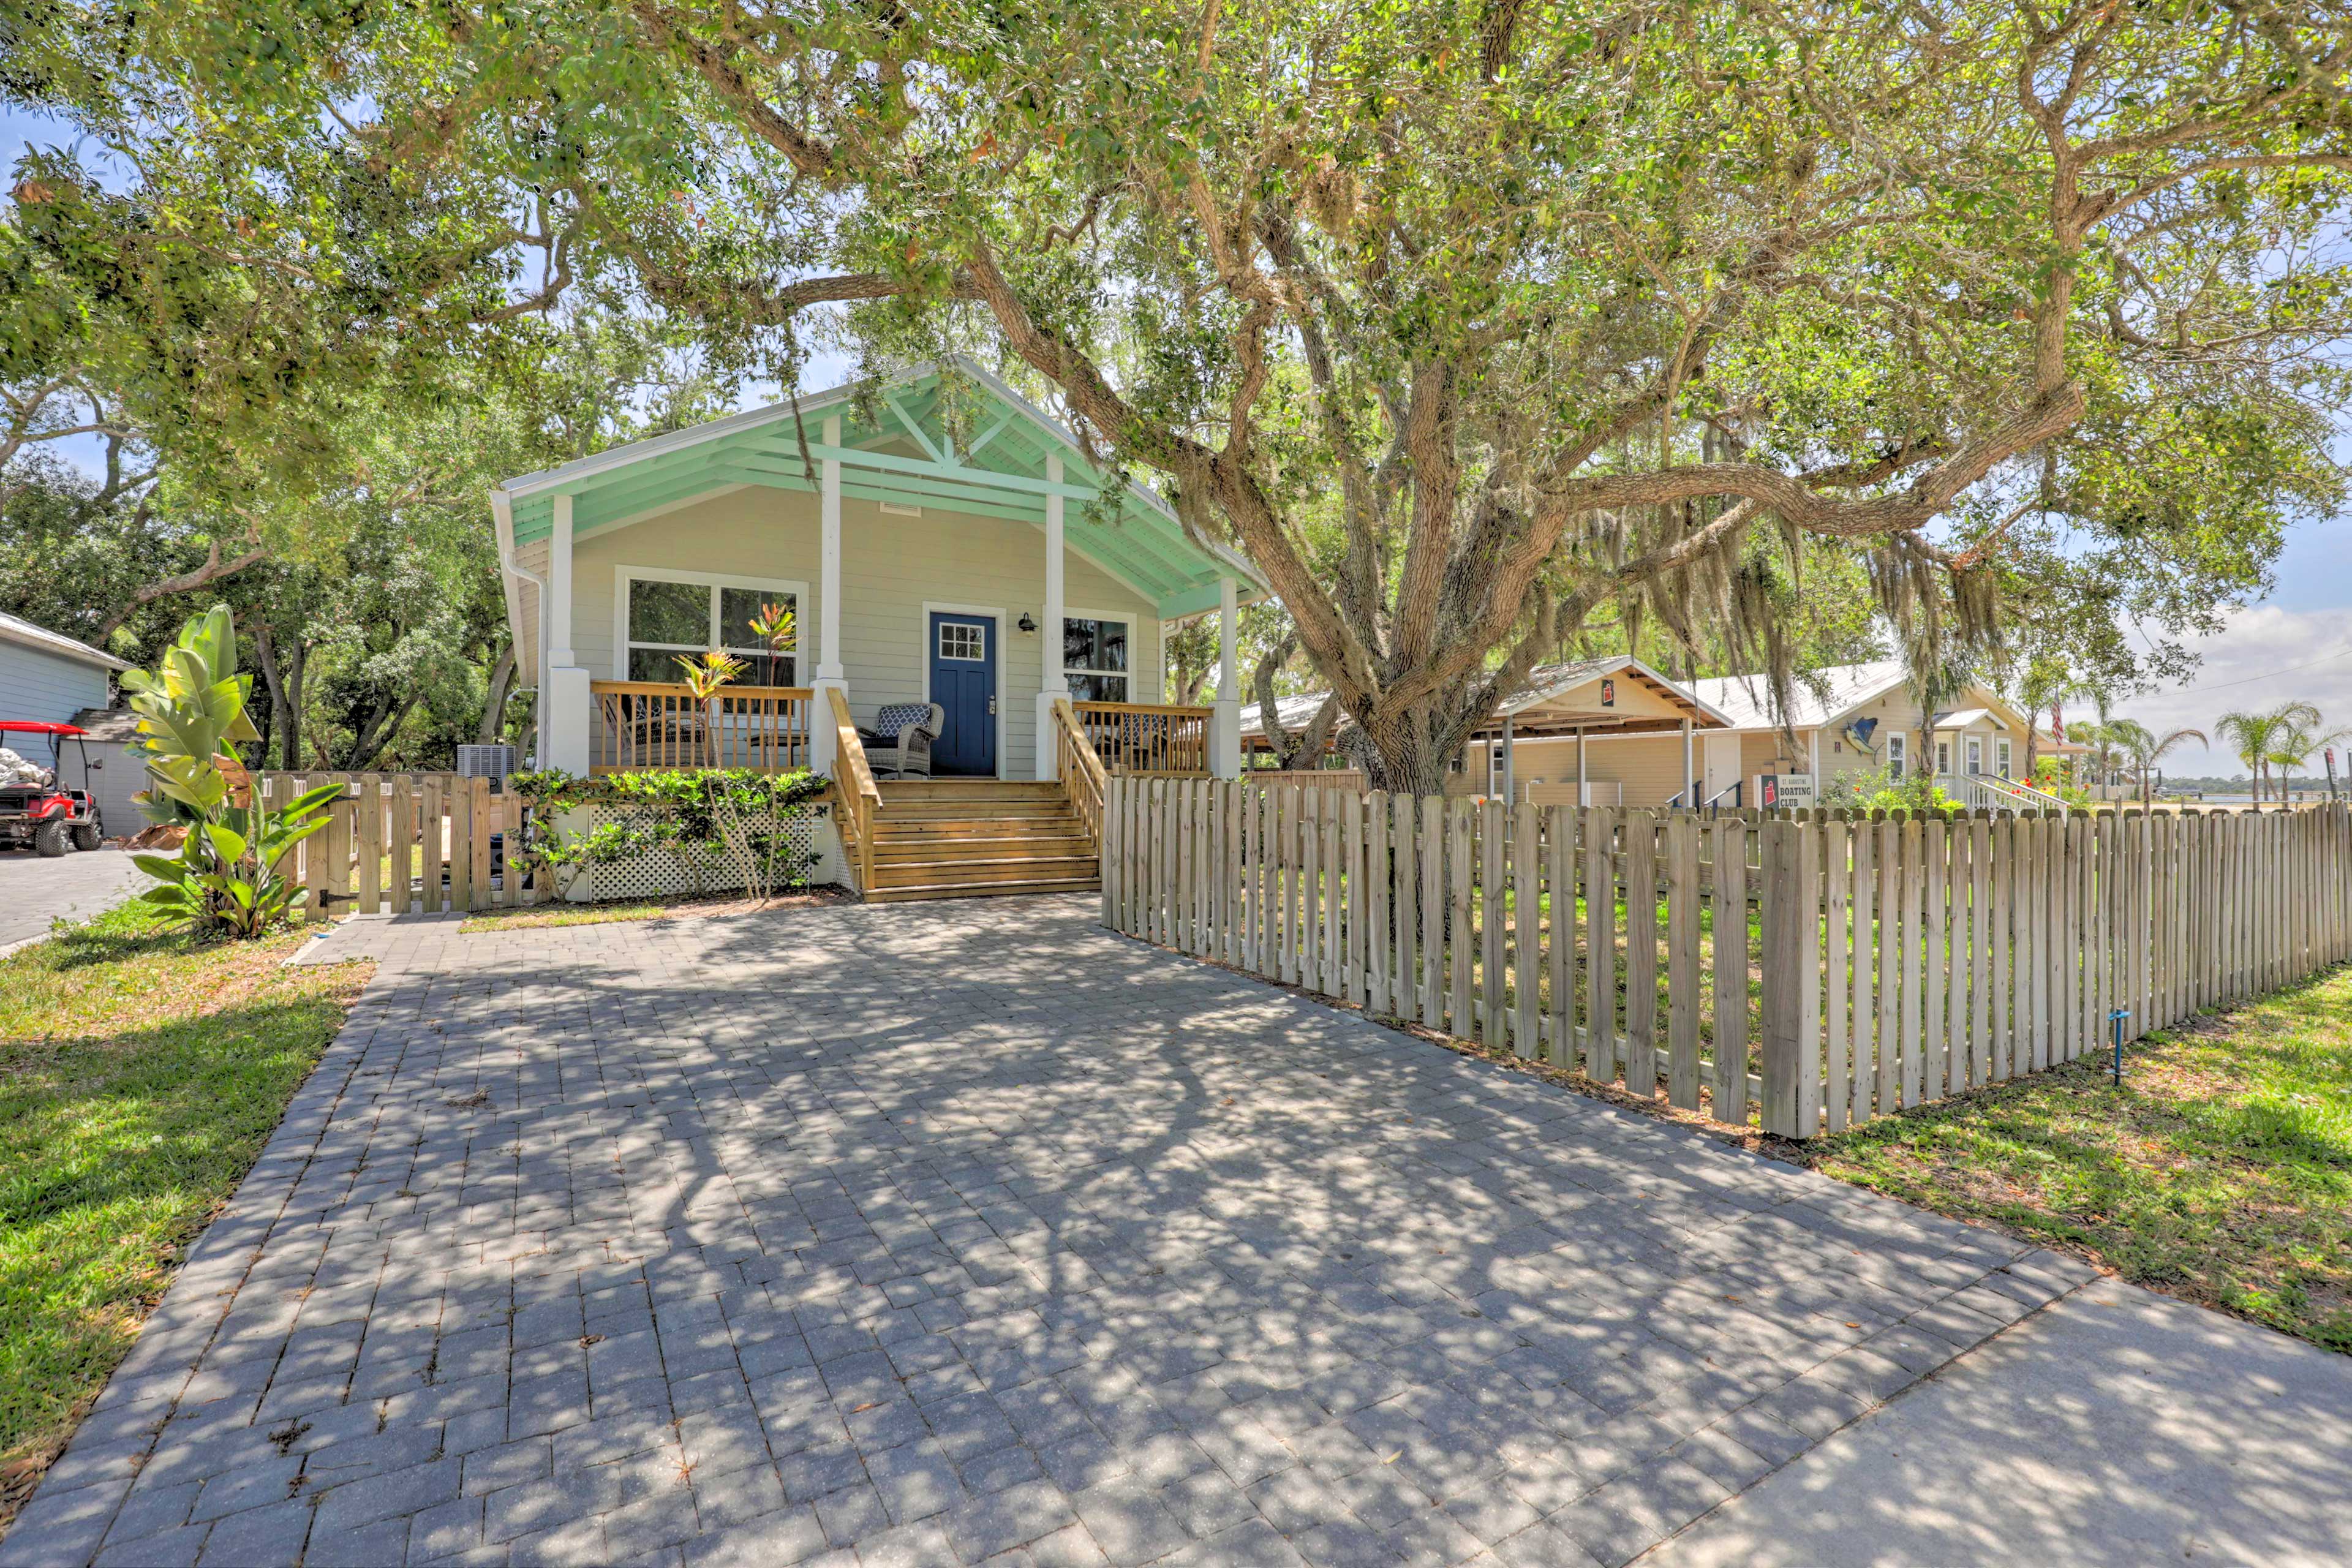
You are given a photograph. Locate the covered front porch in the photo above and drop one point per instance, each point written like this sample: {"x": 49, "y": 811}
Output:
{"x": 921, "y": 540}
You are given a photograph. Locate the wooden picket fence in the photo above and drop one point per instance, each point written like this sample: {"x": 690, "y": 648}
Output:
{"x": 1814, "y": 971}
{"x": 406, "y": 842}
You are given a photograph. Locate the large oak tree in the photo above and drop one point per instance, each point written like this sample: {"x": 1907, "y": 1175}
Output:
{"x": 1466, "y": 321}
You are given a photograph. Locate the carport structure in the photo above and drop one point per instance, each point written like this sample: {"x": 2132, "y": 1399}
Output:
{"x": 1619, "y": 694}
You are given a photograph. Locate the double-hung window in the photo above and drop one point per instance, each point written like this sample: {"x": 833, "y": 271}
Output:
{"x": 1097, "y": 658}
{"x": 669, "y": 615}
{"x": 1894, "y": 749}
{"x": 2000, "y": 756}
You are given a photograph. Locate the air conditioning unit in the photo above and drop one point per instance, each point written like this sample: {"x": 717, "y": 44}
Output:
{"x": 492, "y": 763}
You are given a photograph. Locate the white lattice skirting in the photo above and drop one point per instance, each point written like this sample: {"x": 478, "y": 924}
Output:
{"x": 662, "y": 875}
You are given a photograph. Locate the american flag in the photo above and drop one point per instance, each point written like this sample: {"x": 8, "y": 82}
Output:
{"x": 2057, "y": 723}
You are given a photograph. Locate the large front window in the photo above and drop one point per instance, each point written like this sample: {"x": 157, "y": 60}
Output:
{"x": 1095, "y": 658}
{"x": 675, "y": 617}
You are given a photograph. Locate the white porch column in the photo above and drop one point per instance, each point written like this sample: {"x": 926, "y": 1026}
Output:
{"x": 1690, "y": 783}
{"x": 1581, "y": 798}
{"x": 1226, "y": 717}
{"x": 564, "y": 699}
{"x": 1510, "y": 765}
{"x": 1049, "y": 636}
{"x": 830, "y": 676}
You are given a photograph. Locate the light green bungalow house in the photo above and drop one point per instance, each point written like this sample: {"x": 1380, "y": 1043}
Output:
{"x": 943, "y": 544}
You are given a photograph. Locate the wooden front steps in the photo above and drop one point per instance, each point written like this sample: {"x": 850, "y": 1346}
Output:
{"x": 972, "y": 839}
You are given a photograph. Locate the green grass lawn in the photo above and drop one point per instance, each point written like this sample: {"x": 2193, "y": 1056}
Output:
{"x": 2220, "y": 1172}
{"x": 141, "y": 1073}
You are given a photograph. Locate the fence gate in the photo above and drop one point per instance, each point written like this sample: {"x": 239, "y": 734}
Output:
{"x": 405, "y": 843}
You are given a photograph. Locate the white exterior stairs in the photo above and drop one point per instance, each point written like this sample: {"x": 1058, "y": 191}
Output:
{"x": 972, "y": 839}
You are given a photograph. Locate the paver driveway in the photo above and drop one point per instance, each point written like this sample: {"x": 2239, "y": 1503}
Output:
{"x": 960, "y": 1233}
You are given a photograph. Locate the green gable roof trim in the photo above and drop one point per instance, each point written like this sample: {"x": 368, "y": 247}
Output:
{"x": 1000, "y": 473}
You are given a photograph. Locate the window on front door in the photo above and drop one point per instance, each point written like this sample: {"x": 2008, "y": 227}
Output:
{"x": 963, "y": 641}
{"x": 1094, "y": 661}
{"x": 1975, "y": 753}
{"x": 670, "y": 620}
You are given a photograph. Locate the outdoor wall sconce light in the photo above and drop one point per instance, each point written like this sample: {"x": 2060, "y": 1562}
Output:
{"x": 1026, "y": 623}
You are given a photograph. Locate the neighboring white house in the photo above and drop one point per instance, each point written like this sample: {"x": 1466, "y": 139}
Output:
{"x": 49, "y": 678}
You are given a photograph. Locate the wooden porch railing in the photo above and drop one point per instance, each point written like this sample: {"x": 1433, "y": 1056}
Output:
{"x": 662, "y": 724}
{"x": 853, "y": 786}
{"x": 1079, "y": 769}
{"x": 1147, "y": 738}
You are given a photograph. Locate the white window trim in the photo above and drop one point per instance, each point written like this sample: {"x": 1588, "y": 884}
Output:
{"x": 1134, "y": 623}
{"x": 1898, "y": 758}
{"x": 2002, "y": 755}
{"x": 624, "y": 576}
{"x": 1003, "y": 656}
{"x": 939, "y": 648}
{"x": 1972, "y": 754}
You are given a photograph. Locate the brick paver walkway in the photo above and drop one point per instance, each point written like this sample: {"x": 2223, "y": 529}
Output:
{"x": 965, "y": 1233}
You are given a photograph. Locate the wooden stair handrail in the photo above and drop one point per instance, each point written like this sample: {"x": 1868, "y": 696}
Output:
{"x": 1082, "y": 772}
{"x": 863, "y": 798}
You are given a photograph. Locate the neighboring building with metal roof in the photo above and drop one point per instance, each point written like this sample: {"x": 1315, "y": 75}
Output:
{"x": 49, "y": 676}
{"x": 1615, "y": 730}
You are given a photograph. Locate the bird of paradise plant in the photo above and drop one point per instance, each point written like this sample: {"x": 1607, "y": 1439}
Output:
{"x": 190, "y": 709}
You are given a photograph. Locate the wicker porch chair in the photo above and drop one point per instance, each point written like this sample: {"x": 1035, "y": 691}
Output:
{"x": 899, "y": 746}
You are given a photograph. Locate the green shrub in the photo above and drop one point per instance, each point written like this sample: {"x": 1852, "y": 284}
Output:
{"x": 1876, "y": 790}
{"x": 704, "y": 818}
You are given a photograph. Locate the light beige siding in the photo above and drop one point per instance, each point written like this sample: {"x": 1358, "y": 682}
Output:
{"x": 1650, "y": 767}
{"x": 1895, "y": 710}
{"x": 1764, "y": 752}
{"x": 892, "y": 567}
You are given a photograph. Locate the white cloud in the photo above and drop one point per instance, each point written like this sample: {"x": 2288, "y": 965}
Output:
{"x": 2265, "y": 655}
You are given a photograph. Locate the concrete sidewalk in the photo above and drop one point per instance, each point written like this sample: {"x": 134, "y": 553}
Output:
{"x": 2115, "y": 1428}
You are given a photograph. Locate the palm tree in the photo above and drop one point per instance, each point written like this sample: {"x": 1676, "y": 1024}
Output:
{"x": 2103, "y": 745}
{"x": 2045, "y": 685}
{"x": 2292, "y": 747}
{"x": 2146, "y": 749}
{"x": 1934, "y": 678}
{"x": 2255, "y": 736}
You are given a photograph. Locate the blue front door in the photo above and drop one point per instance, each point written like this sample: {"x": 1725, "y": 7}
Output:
{"x": 963, "y": 681}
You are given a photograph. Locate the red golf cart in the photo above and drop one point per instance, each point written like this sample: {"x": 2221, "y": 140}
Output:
{"x": 45, "y": 813}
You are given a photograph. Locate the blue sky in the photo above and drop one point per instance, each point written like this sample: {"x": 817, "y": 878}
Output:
{"x": 2296, "y": 644}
